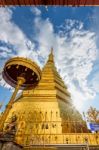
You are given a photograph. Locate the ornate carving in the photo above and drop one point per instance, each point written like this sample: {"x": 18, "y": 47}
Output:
{"x": 10, "y": 129}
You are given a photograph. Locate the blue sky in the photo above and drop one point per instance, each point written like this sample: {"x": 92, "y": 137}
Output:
{"x": 73, "y": 32}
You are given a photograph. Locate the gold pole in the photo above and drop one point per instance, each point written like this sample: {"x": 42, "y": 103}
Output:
{"x": 20, "y": 81}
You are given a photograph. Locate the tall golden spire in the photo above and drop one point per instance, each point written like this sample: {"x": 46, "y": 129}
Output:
{"x": 51, "y": 56}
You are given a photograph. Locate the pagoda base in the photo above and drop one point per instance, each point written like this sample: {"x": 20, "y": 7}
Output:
{"x": 64, "y": 147}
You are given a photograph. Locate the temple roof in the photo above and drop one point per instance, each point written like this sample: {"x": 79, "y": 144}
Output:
{"x": 50, "y": 2}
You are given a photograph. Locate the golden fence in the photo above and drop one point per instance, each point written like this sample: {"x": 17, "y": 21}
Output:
{"x": 69, "y": 138}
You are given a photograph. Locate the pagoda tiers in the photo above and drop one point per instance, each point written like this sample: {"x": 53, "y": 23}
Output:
{"x": 45, "y": 113}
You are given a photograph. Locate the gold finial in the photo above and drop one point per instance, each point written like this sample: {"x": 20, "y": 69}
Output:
{"x": 51, "y": 57}
{"x": 52, "y": 50}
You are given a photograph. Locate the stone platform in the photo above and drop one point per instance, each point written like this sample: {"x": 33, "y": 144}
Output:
{"x": 5, "y": 145}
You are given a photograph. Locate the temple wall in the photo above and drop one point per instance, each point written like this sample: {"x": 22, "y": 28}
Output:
{"x": 35, "y": 118}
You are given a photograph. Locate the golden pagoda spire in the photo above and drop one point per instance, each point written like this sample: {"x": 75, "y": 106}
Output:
{"x": 51, "y": 56}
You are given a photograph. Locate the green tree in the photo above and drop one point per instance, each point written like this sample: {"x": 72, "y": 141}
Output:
{"x": 93, "y": 115}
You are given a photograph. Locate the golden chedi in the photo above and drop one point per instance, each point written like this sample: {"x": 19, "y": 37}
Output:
{"x": 45, "y": 113}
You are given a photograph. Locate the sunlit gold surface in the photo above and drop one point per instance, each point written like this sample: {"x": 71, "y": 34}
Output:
{"x": 46, "y": 114}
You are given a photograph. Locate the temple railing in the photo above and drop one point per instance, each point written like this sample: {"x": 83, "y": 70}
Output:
{"x": 69, "y": 138}
{"x": 51, "y": 132}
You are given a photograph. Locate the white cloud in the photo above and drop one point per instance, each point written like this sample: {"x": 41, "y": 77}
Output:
{"x": 74, "y": 49}
{"x": 10, "y": 33}
{"x": 75, "y": 53}
{"x": 36, "y": 11}
{"x": 44, "y": 36}
{"x": 14, "y": 41}
{"x": 95, "y": 82}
